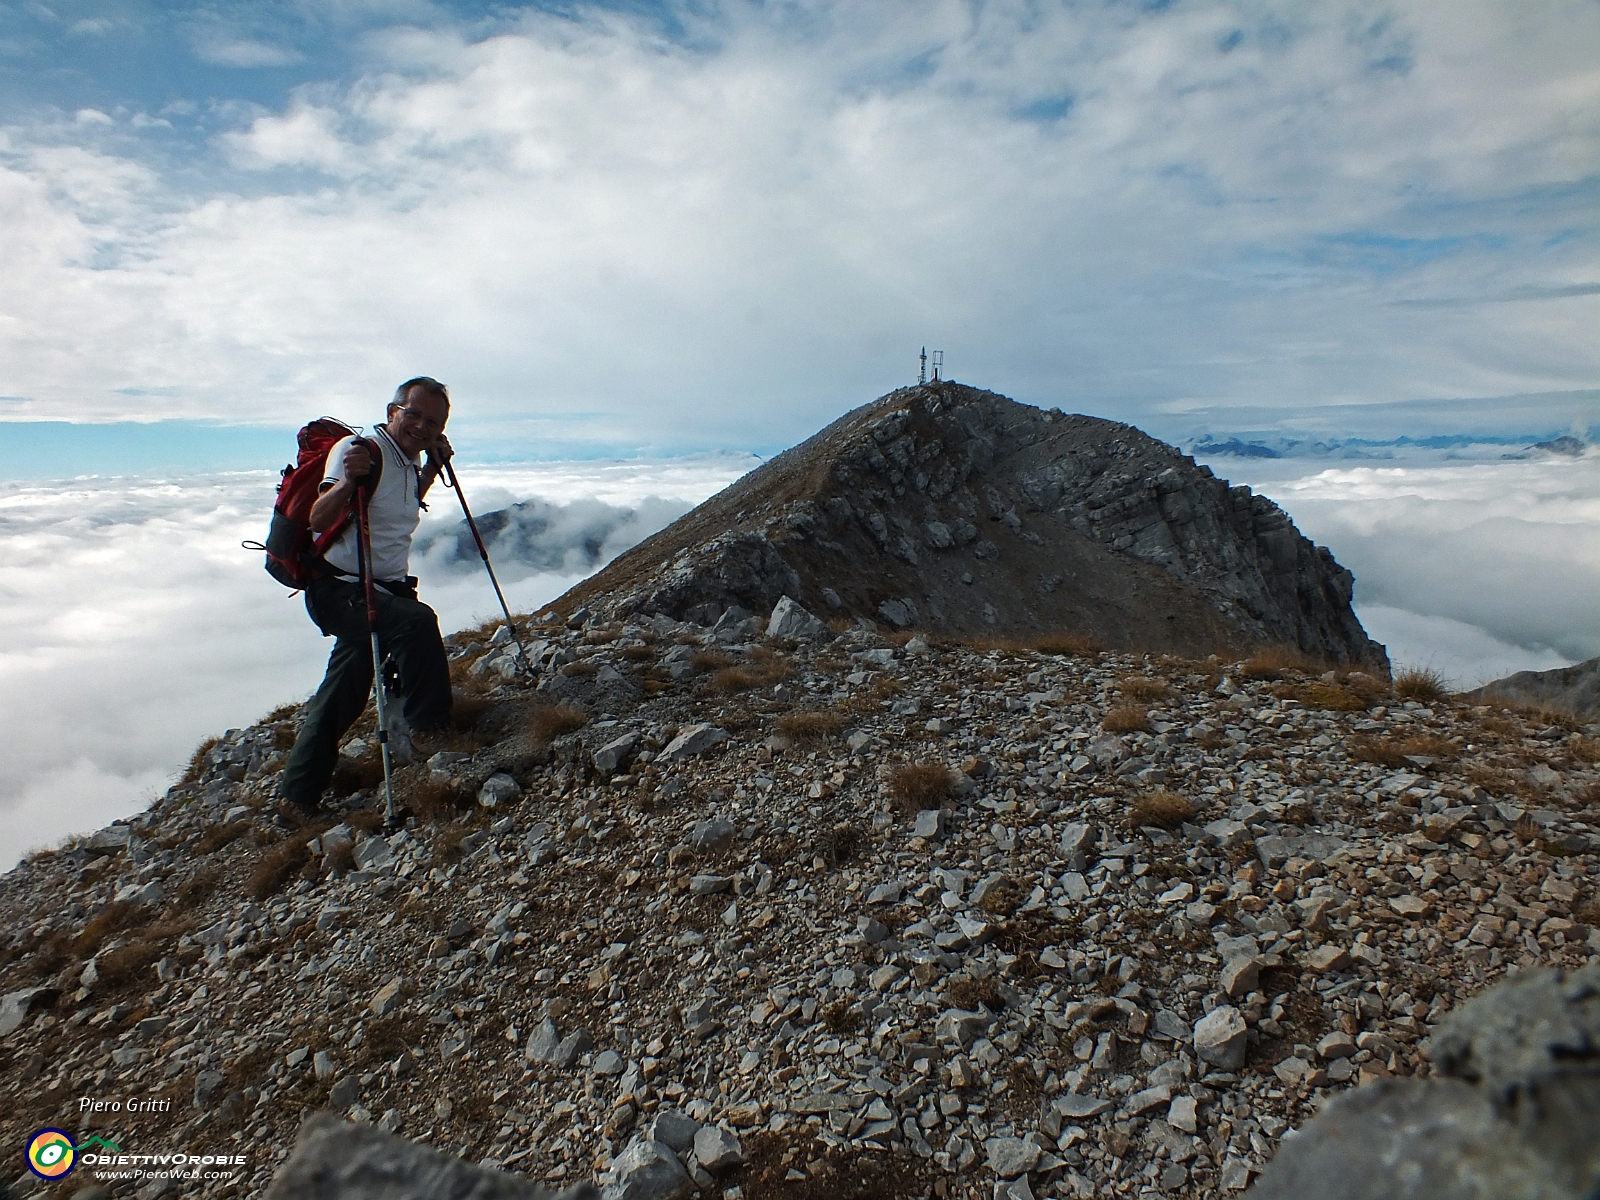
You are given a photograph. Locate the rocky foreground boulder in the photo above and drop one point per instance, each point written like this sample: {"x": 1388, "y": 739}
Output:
{"x": 957, "y": 511}
{"x": 695, "y": 909}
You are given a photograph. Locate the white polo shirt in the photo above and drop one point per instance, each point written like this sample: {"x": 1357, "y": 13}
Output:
{"x": 392, "y": 513}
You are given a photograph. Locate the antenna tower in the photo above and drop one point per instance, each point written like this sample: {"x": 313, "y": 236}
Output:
{"x": 938, "y": 364}
{"x": 922, "y": 371}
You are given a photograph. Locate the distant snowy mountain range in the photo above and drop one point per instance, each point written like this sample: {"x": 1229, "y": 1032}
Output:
{"x": 1449, "y": 446}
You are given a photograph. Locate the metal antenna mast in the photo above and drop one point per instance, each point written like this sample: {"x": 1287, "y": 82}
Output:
{"x": 922, "y": 371}
{"x": 938, "y": 364}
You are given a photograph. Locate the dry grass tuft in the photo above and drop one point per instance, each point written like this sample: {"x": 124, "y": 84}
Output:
{"x": 1397, "y": 753}
{"x": 215, "y": 839}
{"x": 114, "y": 918}
{"x": 1126, "y": 718}
{"x": 434, "y": 802}
{"x": 357, "y": 775}
{"x": 197, "y": 761}
{"x": 1332, "y": 696}
{"x": 549, "y": 721}
{"x": 1277, "y": 661}
{"x": 637, "y": 654}
{"x": 839, "y": 1017}
{"x": 1075, "y": 645}
{"x": 1165, "y": 810}
{"x": 840, "y": 844}
{"x": 920, "y": 785}
{"x": 583, "y": 668}
{"x": 198, "y": 888}
{"x": 710, "y": 660}
{"x": 467, "y": 709}
{"x": 1143, "y": 687}
{"x": 1003, "y": 899}
{"x": 969, "y": 994}
{"x": 1419, "y": 683}
{"x": 811, "y": 726}
{"x": 282, "y": 862}
{"x": 1585, "y": 750}
{"x": 761, "y": 668}
{"x": 127, "y": 963}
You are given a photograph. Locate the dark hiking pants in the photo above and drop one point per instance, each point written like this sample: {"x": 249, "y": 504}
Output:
{"x": 408, "y": 631}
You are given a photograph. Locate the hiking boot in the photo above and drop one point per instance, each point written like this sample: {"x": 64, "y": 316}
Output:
{"x": 294, "y": 816}
{"x": 425, "y": 743}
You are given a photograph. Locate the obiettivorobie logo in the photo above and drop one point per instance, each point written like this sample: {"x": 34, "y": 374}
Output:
{"x": 52, "y": 1153}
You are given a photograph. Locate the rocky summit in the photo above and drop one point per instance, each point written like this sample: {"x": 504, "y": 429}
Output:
{"x": 746, "y": 908}
{"x": 958, "y": 511}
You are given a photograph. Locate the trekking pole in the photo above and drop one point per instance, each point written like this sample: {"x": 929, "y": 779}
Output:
{"x": 452, "y": 482}
{"x": 364, "y": 564}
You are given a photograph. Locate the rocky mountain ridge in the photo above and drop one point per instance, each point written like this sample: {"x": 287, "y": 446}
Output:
{"x": 958, "y": 511}
{"x": 1574, "y": 690}
{"x": 748, "y": 908}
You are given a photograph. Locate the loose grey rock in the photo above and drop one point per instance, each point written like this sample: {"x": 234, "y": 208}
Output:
{"x": 930, "y": 823}
{"x": 373, "y": 854}
{"x": 1010, "y": 1157}
{"x": 16, "y": 1007}
{"x": 206, "y": 1084}
{"x": 146, "y": 893}
{"x": 672, "y": 1127}
{"x": 1078, "y": 1108}
{"x": 647, "y": 1170}
{"x": 693, "y": 740}
{"x": 712, "y": 835}
{"x": 789, "y": 620}
{"x": 716, "y": 1149}
{"x": 344, "y": 1093}
{"x": 615, "y": 753}
{"x": 387, "y": 998}
{"x": 1221, "y": 1038}
{"x": 498, "y": 789}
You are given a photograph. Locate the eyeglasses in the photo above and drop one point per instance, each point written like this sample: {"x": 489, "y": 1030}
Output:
{"x": 427, "y": 423}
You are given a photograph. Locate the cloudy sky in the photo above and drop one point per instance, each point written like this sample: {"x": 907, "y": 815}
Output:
{"x": 703, "y": 229}
{"x": 681, "y": 226}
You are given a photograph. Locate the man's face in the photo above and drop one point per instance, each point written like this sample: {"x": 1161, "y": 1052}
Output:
{"x": 416, "y": 423}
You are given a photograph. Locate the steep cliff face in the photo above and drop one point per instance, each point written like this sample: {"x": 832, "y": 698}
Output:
{"x": 960, "y": 511}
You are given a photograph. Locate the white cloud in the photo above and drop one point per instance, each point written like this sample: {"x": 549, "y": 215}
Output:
{"x": 737, "y": 233}
{"x": 226, "y": 51}
{"x": 137, "y": 626}
{"x": 1509, "y": 549}
{"x": 1465, "y": 655}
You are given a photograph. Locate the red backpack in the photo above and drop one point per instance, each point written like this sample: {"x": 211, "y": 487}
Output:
{"x": 293, "y": 551}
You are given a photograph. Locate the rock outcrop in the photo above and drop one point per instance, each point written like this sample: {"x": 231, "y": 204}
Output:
{"x": 1511, "y": 1114}
{"x": 959, "y": 511}
{"x": 337, "y": 1160}
{"x": 1574, "y": 689}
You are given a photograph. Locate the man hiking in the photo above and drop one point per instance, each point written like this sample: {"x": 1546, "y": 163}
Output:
{"x": 408, "y": 630}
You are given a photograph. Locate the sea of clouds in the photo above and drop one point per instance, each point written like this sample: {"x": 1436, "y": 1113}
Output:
{"x": 137, "y": 626}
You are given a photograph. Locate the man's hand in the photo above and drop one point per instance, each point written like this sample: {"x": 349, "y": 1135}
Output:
{"x": 439, "y": 453}
{"x": 357, "y": 461}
